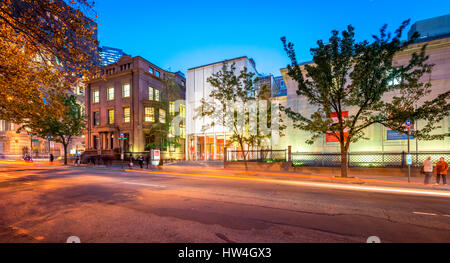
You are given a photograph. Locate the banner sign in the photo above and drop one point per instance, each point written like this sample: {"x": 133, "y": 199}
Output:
{"x": 334, "y": 117}
{"x": 394, "y": 135}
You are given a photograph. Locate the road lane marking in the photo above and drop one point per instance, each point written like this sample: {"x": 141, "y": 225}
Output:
{"x": 142, "y": 184}
{"x": 312, "y": 184}
{"x": 447, "y": 215}
{"x": 422, "y": 213}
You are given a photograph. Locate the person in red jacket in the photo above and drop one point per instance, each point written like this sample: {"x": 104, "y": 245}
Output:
{"x": 441, "y": 170}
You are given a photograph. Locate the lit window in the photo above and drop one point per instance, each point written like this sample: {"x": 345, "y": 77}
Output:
{"x": 171, "y": 108}
{"x": 157, "y": 73}
{"x": 149, "y": 114}
{"x": 150, "y": 69}
{"x": 126, "y": 90}
{"x": 110, "y": 93}
{"x": 110, "y": 116}
{"x": 162, "y": 116}
{"x": 182, "y": 111}
{"x": 2, "y": 125}
{"x": 96, "y": 96}
{"x": 126, "y": 114}
{"x": 182, "y": 131}
{"x": 150, "y": 93}
{"x": 157, "y": 96}
{"x": 393, "y": 80}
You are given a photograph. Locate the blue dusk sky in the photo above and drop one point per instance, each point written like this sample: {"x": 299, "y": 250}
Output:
{"x": 178, "y": 35}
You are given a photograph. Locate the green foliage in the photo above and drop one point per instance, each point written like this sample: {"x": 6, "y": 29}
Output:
{"x": 358, "y": 77}
{"x": 234, "y": 103}
{"x": 62, "y": 126}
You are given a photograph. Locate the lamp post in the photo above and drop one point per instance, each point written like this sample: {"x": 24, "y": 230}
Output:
{"x": 49, "y": 145}
{"x": 121, "y": 140}
{"x": 31, "y": 145}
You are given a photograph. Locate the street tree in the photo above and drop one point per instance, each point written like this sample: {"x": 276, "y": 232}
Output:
{"x": 61, "y": 125}
{"x": 46, "y": 45}
{"x": 237, "y": 104}
{"x": 162, "y": 132}
{"x": 359, "y": 78}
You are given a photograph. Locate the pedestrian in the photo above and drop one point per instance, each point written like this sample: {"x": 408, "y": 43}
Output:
{"x": 77, "y": 159}
{"x": 147, "y": 159}
{"x": 441, "y": 170}
{"x": 141, "y": 161}
{"x": 52, "y": 158}
{"x": 427, "y": 169}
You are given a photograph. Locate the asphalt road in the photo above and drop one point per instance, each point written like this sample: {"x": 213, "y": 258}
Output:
{"x": 49, "y": 204}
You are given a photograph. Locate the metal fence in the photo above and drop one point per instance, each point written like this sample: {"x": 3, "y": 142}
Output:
{"x": 257, "y": 155}
{"x": 365, "y": 159}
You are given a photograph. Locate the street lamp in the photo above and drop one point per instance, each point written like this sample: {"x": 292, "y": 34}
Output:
{"x": 31, "y": 145}
{"x": 121, "y": 140}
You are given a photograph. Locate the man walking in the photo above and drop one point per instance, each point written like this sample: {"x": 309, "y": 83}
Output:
{"x": 441, "y": 170}
{"x": 427, "y": 170}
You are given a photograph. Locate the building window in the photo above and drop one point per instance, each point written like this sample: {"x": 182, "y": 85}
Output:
{"x": 182, "y": 131}
{"x": 162, "y": 116}
{"x": 171, "y": 108}
{"x": 157, "y": 96}
{"x": 96, "y": 118}
{"x": 126, "y": 90}
{"x": 110, "y": 93}
{"x": 182, "y": 111}
{"x": 150, "y": 69}
{"x": 393, "y": 79}
{"x": 126, "y": 114}
{"x": 149, "y": 114}
{"x": 110, "y": 116}
{"x": 171, "y": 147}
{"x": 2, "y": 125}
{"x": 150, "y": 93}
{"x": 96, "y": 96}
{"x": 157, "y": 73}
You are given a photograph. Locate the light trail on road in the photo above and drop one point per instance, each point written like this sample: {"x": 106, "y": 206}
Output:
{"x": 314, "y": 184}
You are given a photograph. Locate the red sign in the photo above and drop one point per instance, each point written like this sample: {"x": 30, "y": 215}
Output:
{"x": 330, "y": 137}
{"x": 156, "y": 153}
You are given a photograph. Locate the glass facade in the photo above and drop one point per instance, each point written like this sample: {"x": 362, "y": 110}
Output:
{"x": 110, "y": 55}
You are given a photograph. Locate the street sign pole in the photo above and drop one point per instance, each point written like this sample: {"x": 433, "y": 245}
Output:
{"x": 409, "y": 154}
{"x": 408, "y": 124}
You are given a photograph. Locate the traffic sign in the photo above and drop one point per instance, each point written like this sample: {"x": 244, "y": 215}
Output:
{"x": 408, "y": 159}
{"x": 408, "y": 124}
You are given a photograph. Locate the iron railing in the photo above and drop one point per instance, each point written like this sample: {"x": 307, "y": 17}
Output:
{"x": 257, "y": 155}
{"x": 366, "y": 159}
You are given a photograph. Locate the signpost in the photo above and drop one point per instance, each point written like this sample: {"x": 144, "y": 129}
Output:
{"x": 408, "y": 125}
{"x": 122, "y": 138}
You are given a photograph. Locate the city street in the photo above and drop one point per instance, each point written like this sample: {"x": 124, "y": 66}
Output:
{"x": 50, "y": 203}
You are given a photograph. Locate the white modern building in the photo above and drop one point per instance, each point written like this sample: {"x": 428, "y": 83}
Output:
{"x": 207, "y": 144}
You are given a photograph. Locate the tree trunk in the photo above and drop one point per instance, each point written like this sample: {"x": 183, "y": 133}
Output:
{"x": 243, "y": 155}
{"x": 65, "y": 154}
{"x": 344, "y": 161}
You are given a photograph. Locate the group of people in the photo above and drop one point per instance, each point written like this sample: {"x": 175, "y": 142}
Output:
{"x": 441, "y": 170}
{"x": 140, "y": 159}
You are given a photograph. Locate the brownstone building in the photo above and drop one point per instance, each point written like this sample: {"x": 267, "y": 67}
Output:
{"x": 132, "y": 97}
